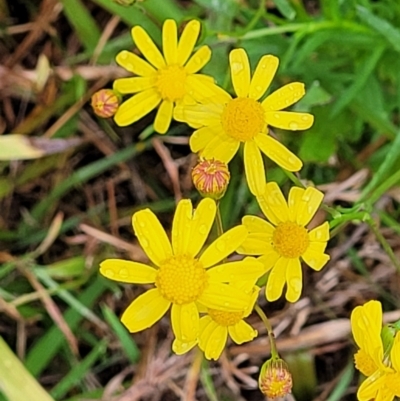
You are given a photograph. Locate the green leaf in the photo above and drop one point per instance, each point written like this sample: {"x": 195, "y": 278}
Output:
{"x": 388, "y": 31}
{"x": 286, "y": 9}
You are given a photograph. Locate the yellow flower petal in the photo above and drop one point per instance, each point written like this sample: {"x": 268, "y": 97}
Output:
{"x": 224, "y": 297}
{"x": 269, "y": 259}
{"x": 198, "y": 60}
{"x": 263, "y": 76}
{"x": 242, "y": 332}
{"x": 212, "y": 338}
{"x": 255, "y": 244}
{"x": 199, "y": 115}
{"x": 224, "y": 246}
{"x": 151, "y": 236}
{"x": 200, "y": 138}
{"x": 315, "y": 259}
{"x": 284, "y": 97}
{"x": 289, "y": 120}
{"x": 181, "y": 347}
{"x": 276, "y": 280}
{"x": 133, "y": 85}
{"x": 395, "y": 353}
{"x": 222, "y": 148}
{"x": 294, "y": 280}
{"x": 273, "y": 204}
{"x": 170, "y": 41}
{"x": 240, "y": 72}
{"x": 146, "y": 45}
{"x": 304, "y": 204}
{"x": 202, "y": 222}
{"x": 182, "y": 227}
{"x": 187, "y": 41}
{"x": 256, "y": 224}
{"x": 279, "y": 153}
{"x": 254, "y": 168}
{"x": 134, "y": 64}
{"x": 185, "y": 322}
{"x": 320, "y": 233}
{"x": 163, "y": 117}
{"x": 371, "y": 387}
{"x": 248, "y": 269}
{"x": 127, "y": 271}
{"x": 212, "y": 97}
{"x": 136, "y": 107}
{"x": 145, "y": 310}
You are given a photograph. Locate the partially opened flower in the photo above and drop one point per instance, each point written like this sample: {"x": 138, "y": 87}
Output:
{"x": 217, "y": 324}
{"x": 285, "y": 240}
{"x": 183, "y": 277}
{"x": 382, "y": 371}
{"x": 166, "y": 79}
{"x": 223, "y": 122}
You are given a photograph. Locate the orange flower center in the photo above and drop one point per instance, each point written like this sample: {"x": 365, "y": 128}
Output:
{"x": 181, "y": 279}
{"x": 225, "y": 318}
{"x": 170, "y": 82}
{"x": 290, "y": 240}
{"x": 243, "y": 118}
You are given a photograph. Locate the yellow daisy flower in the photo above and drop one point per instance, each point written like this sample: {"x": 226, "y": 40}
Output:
{"x": 165, "y": 80}
{"x": 284, "y": 242}
{"x": 217, "y": 324}
{"x": 223, "y": 122}
{"x": 182, "y": 278}
{"x": 383, "y": 382}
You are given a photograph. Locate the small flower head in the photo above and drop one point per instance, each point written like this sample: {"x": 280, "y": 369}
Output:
{"x": 164, "y": 80}
{"x": 224, "y": 122}
{"x": 105, "y": 102}
{"x": 285, "y": 241}
{"x": 211, "y": 178}
{"x": 275, "y": 379}
{"x": 182, "y": 279}
{"x": 217, "y": 324}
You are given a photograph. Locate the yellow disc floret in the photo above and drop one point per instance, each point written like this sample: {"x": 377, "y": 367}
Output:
{"x": 225, "y": 318}
{"x": 170, "y": 83}
{"x": 290, "y": 240}
{"x": 364, "y": 363}
{"x": 393, "y": 383}
{"x": 181, "y": 279}
{"x": 243, "y": 118}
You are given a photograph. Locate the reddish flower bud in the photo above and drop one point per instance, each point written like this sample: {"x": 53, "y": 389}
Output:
{"x": 105, "y": 103}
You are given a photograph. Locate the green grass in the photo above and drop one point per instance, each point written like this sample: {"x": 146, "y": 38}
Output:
{"x": 348, "y": 55}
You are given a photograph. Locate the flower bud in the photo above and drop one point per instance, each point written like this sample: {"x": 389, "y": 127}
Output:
{"x": 211, "y": 178}
{"x": 105, "y": 103}
{"x": 275, "y": 379}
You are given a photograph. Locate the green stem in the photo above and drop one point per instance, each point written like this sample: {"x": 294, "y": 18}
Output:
{"x": 270, "y": 332}
{"x": 218, "y": 221}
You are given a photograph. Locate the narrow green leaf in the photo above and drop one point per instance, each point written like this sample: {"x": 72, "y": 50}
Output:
{"x": 16, "y": 382}
{"x": 84, "y": 24}
{"x": 380, "y": 25}
{"x": 285, "y": 9}
{"x": 127, "y": 342}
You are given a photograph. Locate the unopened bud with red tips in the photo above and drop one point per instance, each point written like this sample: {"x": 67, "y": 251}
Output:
{"x": 211, "y": 178}
{"x": 275, "y": 379}
{"x": 105, "y": 102}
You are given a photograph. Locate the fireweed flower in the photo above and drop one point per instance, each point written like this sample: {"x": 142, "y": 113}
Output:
{"x": 383, "y": 373}
{"x": 165, "y": 80}
{"x": 217, "y": 324}
{"x": 182, "y": 278}
{"x": 223, "y": 122}
{"x": 284, "y": 242}
{"x": 211, "y": 178}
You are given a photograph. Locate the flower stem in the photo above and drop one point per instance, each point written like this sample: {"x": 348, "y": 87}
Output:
{"x": 270, "y": 332}
{"x": 218, "y": 220}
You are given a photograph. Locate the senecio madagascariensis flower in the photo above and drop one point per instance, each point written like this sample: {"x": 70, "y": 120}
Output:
{"x": 183, "y": 278}
{"x": 164, "y": 80}
{"x": 217, "y": 324}
{"x": 275, "y": 379}
{"x": 284, "y": 242}
{"x": 223, "y": 122}
{"x": 382, "y": 367}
